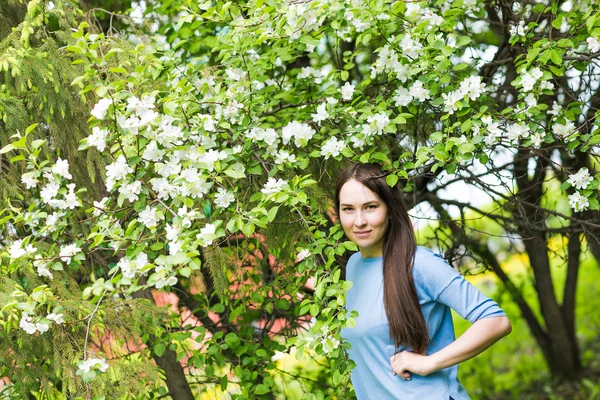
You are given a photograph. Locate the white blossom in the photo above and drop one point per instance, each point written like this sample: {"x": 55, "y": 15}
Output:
{"x": 211, "y": 157}
{"x": 57, "y": 318}
{"x": 518, "y": 30}
{"x": 472, "y": 87}
{"x": 68, "y": 251}
{"x": 332, "y": 147}
{"x": 71, "y": 201}
{"x": 578, "y": 202}
{"x": 207, "y": 234}
{"x": 581, "y": 179}
{"x": 563, "y": 131}
{"x": 99, "y": 206}
{"x": 530, "y": 100}
{"x": 29, "y": 180}
{"x": 380, "y": 120}
{"x": 514, "y": 132}
{"x": 347, "y": 91}
{"x": 117, "y": 171}
{"x": 410, "y": 47}
{"x": 62, "y": 168}
{"x": 166, "y": 281}
{"x": 98, "y": 138}
{"x": 148, "y": 217}
{"x": 303, "y": 254}
{"x": 282, "y": 156}
{"x": 321, "y": 114}
{"x": 593, "y": 44}
{"x": 537, "y": 139}
{"x": 301, "y": 133}
{"x": 274, "y": 186}
{"x": 97, "y": 364}
{"x": 42, "y": 267}
{"x": 100, "y": 109}
{"x": 529, "y": 79}
{"x": 224, "y": 198}
{"x": 42, "y": 327}
{"x": 402, "y": 97}
{"x": 16, "y": 250}
{"x": 131, "y": 190}
{"x": 451, "y": 101}
{"x": 419, "y": 92}
{"x": 49, "y": 192}
{"x": 27, "y": 325}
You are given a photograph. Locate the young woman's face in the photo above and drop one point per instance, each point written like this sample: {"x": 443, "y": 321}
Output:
{"x": 364, "y": 217}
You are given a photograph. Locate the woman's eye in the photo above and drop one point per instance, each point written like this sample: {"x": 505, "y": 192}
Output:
{"x": 346, "y": 209}
{"x": 371, "y": 207}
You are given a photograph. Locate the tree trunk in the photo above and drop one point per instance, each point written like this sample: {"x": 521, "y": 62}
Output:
{"x": 179, "y": 388}
{"x": 175, "y": 378}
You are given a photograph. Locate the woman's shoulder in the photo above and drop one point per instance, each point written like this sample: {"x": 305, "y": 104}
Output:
{"x": 431, "y": 269}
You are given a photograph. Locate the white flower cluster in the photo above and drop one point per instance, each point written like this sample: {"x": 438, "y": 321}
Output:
{"x": 141, "y": 114}
{"x": 300, "y": 132}
{"x": 593, "y": 44}
{"x": 42, "y": 325}
{"x": 133, "y": 267}
{"x": 16, "y": 250}
{"x": 531, "y": 78}
{"x": 301, "y": 18}
{"x": 332, "y": 147}
{"x": 471, "y": 87}
{"x": 69, "y": 251}
{"x": 100, "y": 109}
{"x": 224, "y": 198}
{"x": 358, "y": 24}
{"x": 96, "y": 364}
{"x": 518, "y": 29}
{"x": 164, "y": 276}
{"x": 322, "y": 336}
{"x": 274, "y": 186}
{"x": 564, "y": 131}
{"x": 580, "y": 181}
{"x": 302, "y": 254}
{"x": 117, "y": 171}
{"x": 98, "y": 138}
{"x": 321, "y": 114}
{"x": 207, "y": 234}
{"x": 317, "y": 74}
{"x": 388, "y": 61}
{"x": 347, "y": 91}
{"x": 516, "y": 132}
{"x": 403, "y": 96}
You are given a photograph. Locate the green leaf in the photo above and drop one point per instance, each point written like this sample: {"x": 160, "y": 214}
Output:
{"x": 160, "y": 348}
{"x": 391, "y": 179}
{"x": 272, "y": 213}
{"x": 118, "y": 70}
{"x": 7, "y": 148}
{"x": 236, "y": 171}
{"x": 261, "y": 389}
{"x": 30, "y": 128}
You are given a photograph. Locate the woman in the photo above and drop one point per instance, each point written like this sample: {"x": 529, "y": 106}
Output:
{"x": 403, "y": 343}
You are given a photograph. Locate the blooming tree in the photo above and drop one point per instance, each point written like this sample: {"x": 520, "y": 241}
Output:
{"x": 220, "y": 128}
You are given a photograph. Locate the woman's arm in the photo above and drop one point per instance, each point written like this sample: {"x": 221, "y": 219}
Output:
{"x": 481, "y": 335}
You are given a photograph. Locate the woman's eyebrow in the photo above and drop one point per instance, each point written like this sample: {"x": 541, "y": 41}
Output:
{"x": 364, "y": 204}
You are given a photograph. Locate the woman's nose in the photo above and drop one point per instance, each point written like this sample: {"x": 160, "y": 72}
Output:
{"x": 360, "y": 219}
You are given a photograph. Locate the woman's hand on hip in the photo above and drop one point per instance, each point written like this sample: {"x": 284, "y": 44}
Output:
{"x": 406, "y": 362}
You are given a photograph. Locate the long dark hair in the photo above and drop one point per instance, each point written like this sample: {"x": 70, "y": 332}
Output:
{"x": 407, "y": 325}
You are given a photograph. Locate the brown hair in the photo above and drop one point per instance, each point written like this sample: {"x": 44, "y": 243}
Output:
{"x": 407, "y": 325}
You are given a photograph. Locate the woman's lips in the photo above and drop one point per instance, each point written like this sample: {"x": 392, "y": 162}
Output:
{"x": 362, "y": 234}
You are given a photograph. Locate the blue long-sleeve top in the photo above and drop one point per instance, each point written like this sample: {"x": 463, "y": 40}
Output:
{"x": 439, "y": 288}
